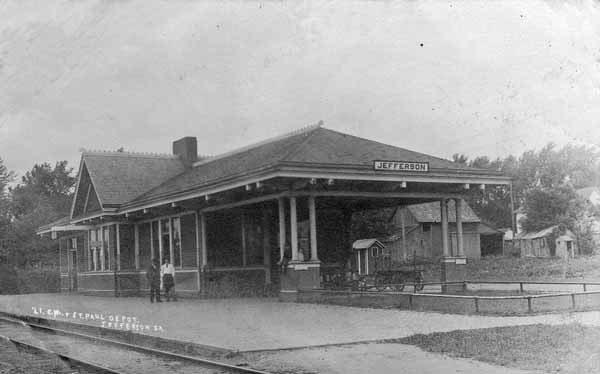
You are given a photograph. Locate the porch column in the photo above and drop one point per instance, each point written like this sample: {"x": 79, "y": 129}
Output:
{"x": 244, "y": 254}
{"x": 459, "y": 228}
{"x": 152, "y": 255}
{"x": 282, "y": 234}
{"x": 197, "y": 226}
{"x": 312, "y": 217}
{"x": 266, "y": 244}
{"x": 160, "y": 243}
{"x": 293, "y": 229}
{"x": 118, "y": 248}
{"x": 171, "y": 246}
{"x": 444, "y": 219}
{"x": 136, "y": 240}
{"x": 403, "y": 227}
{"x": 204, "y": 257}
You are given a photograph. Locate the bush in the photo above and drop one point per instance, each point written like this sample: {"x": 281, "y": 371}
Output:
{"x": 8, "y": 280}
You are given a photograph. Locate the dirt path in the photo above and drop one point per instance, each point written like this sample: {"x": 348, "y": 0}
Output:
{"x": 370, "y": 358}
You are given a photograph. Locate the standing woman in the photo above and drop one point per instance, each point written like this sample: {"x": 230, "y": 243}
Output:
{"x": 168, "y": 278}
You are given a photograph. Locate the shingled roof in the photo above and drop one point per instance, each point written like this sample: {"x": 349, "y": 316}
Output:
{"x": 119, "y": 177}
{"x": 430, "y": 212}
{"x": 316, "y": 146}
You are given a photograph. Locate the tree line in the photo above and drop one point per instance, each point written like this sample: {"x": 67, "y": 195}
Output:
{"x": 42, "y": 195}
{"x": 543, "y": 187}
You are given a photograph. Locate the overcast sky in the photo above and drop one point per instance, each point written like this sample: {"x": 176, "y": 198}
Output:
{"x": 439, "y": 77}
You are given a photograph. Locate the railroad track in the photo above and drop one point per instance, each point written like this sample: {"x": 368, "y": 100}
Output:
{"x": 174, "y": 361}
{"x": 81, "y": 366}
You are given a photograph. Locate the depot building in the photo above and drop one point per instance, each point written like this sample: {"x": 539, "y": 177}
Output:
{"x": 268, "y": 217}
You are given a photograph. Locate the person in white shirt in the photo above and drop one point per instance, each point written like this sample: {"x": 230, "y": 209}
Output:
{"x": 167, "y": 273}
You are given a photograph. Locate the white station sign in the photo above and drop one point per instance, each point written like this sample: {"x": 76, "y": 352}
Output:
{"x": 404, "y": 166}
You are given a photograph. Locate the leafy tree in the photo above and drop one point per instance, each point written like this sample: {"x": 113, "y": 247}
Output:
{"x": 550, "y": 167}
{"x": 545, "y": 207}
{"x": 6, "y": 177}
{"x": 43, "y": 196}
{"x": 44, "y": 183}
{"x": 371, "y": 224}
{"x": 460, "y": 158}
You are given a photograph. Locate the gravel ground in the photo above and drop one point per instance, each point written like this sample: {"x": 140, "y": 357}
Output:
{"x": 369, "y": 358}
{"x": 116, "y": 358}
{"x": 15, "y": 360}
{"x": 260, "y": 324}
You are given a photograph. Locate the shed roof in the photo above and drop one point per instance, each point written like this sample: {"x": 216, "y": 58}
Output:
{"x": 542, "y": 233}
{"x": 367, "y": 243}
{"x": 487, "y": 229}
{"x": 430, "y": 212}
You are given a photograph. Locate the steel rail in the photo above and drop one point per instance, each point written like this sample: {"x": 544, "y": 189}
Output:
{"x": 72, "y": 360}
{"x": 197, "y": 360}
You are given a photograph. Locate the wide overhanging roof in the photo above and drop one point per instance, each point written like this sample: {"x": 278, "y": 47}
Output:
{"x": 315, "y": 152}
{"x": 61, "y": 225}
{"x": 311, "y": 153}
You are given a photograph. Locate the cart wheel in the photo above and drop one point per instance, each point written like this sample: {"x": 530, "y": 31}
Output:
{"x": 419, "y": 283}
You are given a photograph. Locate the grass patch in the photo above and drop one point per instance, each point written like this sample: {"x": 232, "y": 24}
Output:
{"x": 525, "y": 268}
{"x": 571, "y": 348}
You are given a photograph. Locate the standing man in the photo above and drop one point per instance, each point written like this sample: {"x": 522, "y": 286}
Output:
{"x": 153, "y": 275}
{"x": 168, "y": 277}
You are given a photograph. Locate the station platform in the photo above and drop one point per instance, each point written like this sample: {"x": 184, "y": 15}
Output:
{"x": 257, "y": 324}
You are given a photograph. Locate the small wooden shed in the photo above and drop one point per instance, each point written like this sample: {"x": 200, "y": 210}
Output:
{"x": 549, "y": 242}
{"x": 371, "y": 255}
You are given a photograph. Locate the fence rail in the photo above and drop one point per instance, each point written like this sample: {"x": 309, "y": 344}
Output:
{"x": 563, "y": 300}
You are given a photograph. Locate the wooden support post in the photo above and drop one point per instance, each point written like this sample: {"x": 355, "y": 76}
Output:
{"x": 61, "y": 266}
{"x": 171, "y": 246}
{"x": 136, "y": 239}
{"x": 403, "y": 228}
{"x": 203, "y": 244}
{"x": 160, "y": 243}
{"x": 118, "y": 236}
{"x": 152, "y": 255}
{"x": 198, "y": 245}
{"x": 459, "y": 228}
{"x": 266, "y": 245}
{"x": 293, "y": 229}
{"x": 197, "y": 226}
{"x": 444, "y": 219}
{"x": 244, "y": 249}
{"x": 282, "y": 233}
{"x": 312, "y": 215}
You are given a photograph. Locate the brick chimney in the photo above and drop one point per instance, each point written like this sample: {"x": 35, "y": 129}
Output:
{"x": 187, "y": 150}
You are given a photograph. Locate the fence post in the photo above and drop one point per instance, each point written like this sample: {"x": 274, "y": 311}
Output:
{"x": 476, "y": 304}
{"x": 521, "y": 286}
{"x": 584, "y": 287}
{"x": 573, "y": 300}
{"x": 529, "y": 308}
